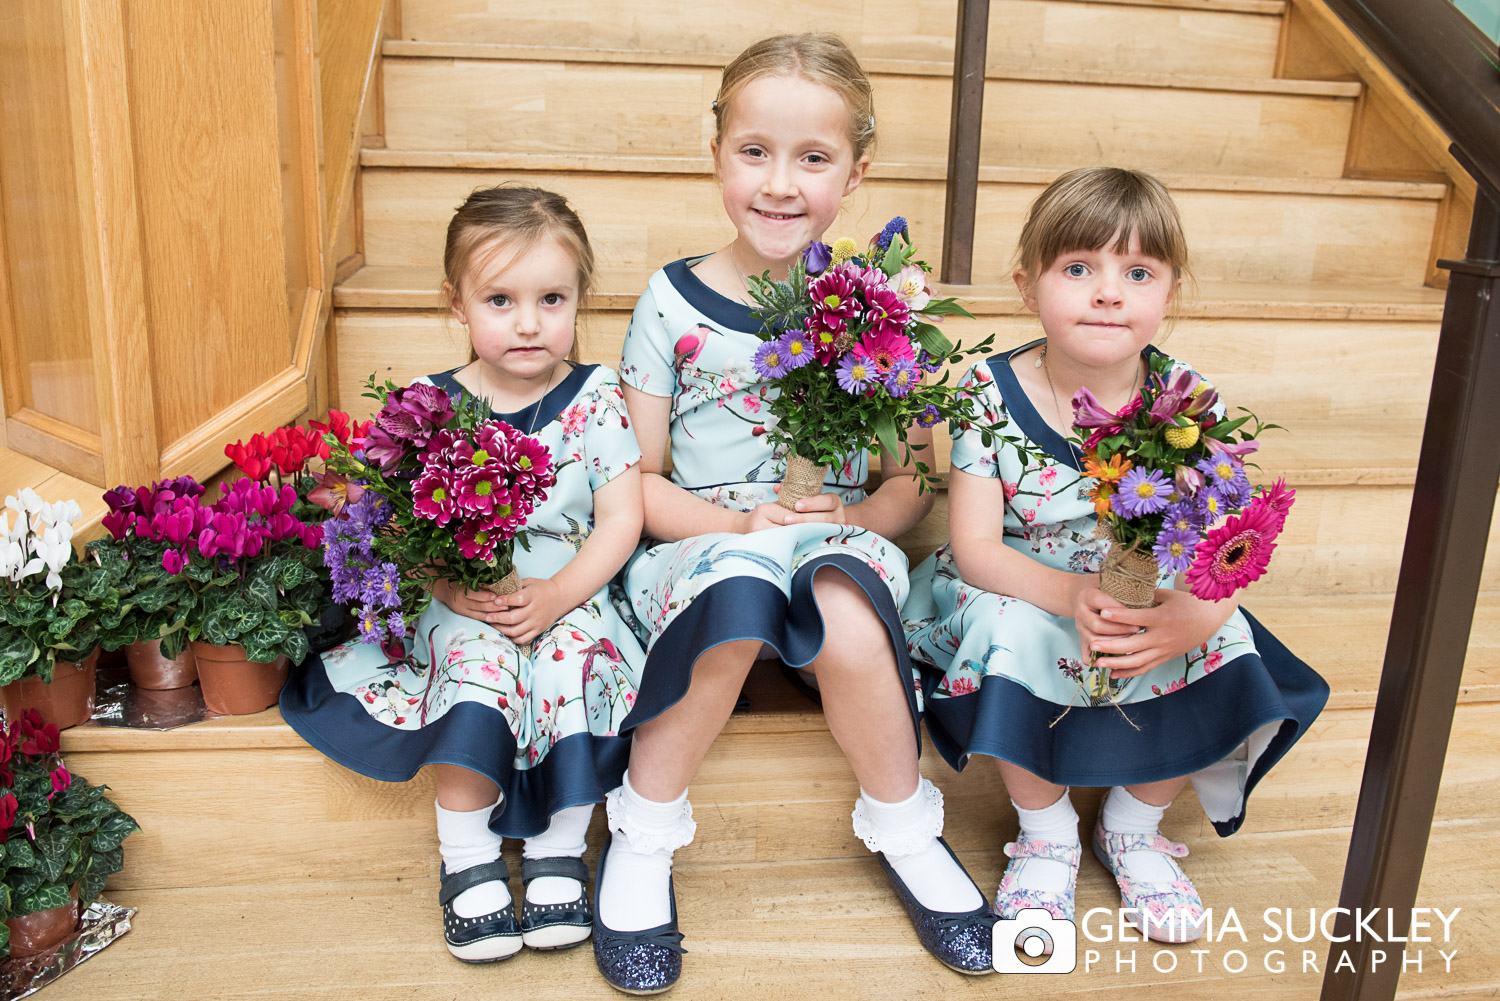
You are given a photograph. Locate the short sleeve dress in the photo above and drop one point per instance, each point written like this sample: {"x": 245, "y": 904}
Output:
{"x": 690, "y": 343}
{"x": 545, "y": 727}
{"x": 1005, "y": 675}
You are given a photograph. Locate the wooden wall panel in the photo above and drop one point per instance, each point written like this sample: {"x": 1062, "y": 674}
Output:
{"x": 46, "y": 342}
{"x": 348, "y": 31}
{"x": 210, "y": 202}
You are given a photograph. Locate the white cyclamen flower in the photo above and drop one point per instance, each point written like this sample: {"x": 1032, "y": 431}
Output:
{"x": 53, "y": 550}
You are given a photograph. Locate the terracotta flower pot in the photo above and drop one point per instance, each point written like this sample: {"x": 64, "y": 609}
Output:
{"x": 42, "y": 930}
{"x": 67, "y": 701}
{"x": 234, "y": 685}
{"x": 149, "y": 669}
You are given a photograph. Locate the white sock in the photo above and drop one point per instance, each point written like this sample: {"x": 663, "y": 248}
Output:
{"x": 564, "y": 836}
{"x": 907, "y": 834}
{"x": 1059, "y": 823}
{"x": 465, "y": 840}
{"x": 1124, "y": 814}
{"x": 633, "y": 894}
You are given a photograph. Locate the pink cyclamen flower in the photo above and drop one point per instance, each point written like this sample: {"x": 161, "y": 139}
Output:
{"x": 1235, "y": 554}
{"x": 172, "y": 561}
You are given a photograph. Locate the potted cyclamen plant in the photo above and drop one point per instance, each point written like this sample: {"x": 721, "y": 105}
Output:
{"x": 49, "y": 610}
{"x": 254, "y": 571}
{"x": 143, "y": 524}
{"x": 60, "y": 839}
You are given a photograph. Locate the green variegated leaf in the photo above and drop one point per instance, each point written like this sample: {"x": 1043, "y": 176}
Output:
{"x": 44, "y": 898}
{"x": 54, "y": 846}
{"x": 115, "y": 829}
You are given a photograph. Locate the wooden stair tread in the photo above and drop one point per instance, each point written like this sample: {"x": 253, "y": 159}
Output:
{"x": 397, "y": 48}
{"x": 19, "y": 471}
{"x": 702, "y": 165}
{"x": 415, "y": 287}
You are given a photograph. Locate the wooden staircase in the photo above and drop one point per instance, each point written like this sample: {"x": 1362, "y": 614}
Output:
{"x": 264, "y": 869}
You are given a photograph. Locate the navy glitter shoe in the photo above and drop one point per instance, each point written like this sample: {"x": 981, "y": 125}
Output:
{"x": 961, "y": 940}
{"x": 556, "y": 926}
{"x": 488, "y": 937}
{"x": 637, "y": 962}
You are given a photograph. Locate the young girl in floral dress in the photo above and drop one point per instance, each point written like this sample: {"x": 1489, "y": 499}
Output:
{"x": 524, "y": 740}
{"x": 1009, "y": 612}
{"x": 729, "y": 575}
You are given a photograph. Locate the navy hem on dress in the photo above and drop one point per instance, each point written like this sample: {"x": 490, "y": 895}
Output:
{"x": 750, "y": 608}
{"x": 580, "y": 768}
{"x": 1179, "y": 733}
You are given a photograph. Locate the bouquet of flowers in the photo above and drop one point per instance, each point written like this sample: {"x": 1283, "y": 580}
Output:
{"x": 849, "y": 337}
{"x": 432, "y": 490}
{"x": 1171, "y": 492}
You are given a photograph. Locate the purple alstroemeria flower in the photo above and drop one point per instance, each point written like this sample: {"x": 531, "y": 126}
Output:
{"x": 1090, "y": 414}
{"x": 1238, "y": 450}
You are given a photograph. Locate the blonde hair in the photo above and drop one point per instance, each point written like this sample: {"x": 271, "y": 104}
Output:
{"x": 820, "y": 58}
{"x": 1087, "y": 208}
{"x": 513, "y": 217}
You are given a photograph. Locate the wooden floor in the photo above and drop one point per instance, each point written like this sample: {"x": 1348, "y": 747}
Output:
{"x": 264, "y": 870}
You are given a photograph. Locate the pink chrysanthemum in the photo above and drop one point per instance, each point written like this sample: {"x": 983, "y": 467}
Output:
{"x": 835, "y": 297}
{"x": 1235, "y": 554}
{"x": 886, "y": 313}
{"x": 435, "y": 494}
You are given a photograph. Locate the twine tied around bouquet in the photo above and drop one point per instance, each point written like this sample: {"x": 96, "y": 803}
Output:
{"x": 1129, "y": 576}
{"x": 509, "y": 584}
{"x": 804, "y": 478}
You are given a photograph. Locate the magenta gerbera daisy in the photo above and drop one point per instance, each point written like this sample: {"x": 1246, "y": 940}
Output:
{"x": 1235, "y": 554}
{"x": 886, "y": 349}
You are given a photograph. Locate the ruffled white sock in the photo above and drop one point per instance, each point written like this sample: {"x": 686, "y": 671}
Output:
{"x": 1124, "y": 814}
{"x": 633, "y": 894}
{"x": 1058, "y": 823}
{"x": 564, "y": 836}
{"x": 465, "y": 840}
{"x": 907, "y": 834}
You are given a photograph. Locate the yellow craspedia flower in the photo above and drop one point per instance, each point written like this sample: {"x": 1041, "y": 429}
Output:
{"x": 843, "y": 248}
{"x": 1182, "y": 437}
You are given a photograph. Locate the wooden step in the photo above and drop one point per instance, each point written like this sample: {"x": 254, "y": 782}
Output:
{"x": 1226, "y": 37}
{"x": 19, "y": 471}
{"x": 504, "y": 99}
{"x": 774, "y": 886}
{"x": 416, "y": 287}
{"x": 642, "y": 212}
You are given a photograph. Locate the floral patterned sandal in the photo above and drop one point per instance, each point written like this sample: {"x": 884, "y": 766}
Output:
{"x": 1165, "y": 912}
{"x": 1013, "y": 898}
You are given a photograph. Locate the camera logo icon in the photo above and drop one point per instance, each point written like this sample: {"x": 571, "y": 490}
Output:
{"x": 1035, "y": 942}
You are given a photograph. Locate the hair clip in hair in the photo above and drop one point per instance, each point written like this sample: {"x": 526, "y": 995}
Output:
{"x": 714, "y": 107}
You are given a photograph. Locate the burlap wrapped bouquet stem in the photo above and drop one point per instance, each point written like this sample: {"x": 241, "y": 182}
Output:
{"x": 509, "y": 584}
{"x": 1129, "y": 576}
{"x": 804, "y": 478}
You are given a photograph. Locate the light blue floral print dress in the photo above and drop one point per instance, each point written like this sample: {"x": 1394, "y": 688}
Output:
{"x": 1005, "y": 676}
{"x": 688, "y": 342}
{"x": 545, "y": 727}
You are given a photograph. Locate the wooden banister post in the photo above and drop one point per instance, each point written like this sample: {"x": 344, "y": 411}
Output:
{"x": 964, "y": 133}
{"x": 1452, "y": 504}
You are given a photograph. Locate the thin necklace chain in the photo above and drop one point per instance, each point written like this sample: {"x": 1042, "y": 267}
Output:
{"x": 536, "y": 408}
{"x": 744, "y": 282}
{"x": 1056, "y": 402}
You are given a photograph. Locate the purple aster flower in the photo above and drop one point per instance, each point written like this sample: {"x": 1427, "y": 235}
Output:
{"x": 796, "y": 348}
{"x": 929, "y": 417}
{"x": 930, "y": 363}
{"x": 855, "y": 373}
{"x": 346, "y": 589}
{"x": 902, "y": 377}
{"x": 1142, "y": 492}
{"x": 396, "y": 624}
{"x": 1175, "y": 548}
{"x": 371, "y": 626}
{"x": 1184, "y": 515}
{"x": 817, "y": 257}
{"x": 770, "y": 360}
{"x": 1224, "y": 476}
{"x": 381, "y": 587}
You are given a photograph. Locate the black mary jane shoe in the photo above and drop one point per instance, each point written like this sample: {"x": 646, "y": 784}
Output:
{"x": 482, "y": 939}
{"x": 961, "y": 940}
{"x": 637, "y": 962}
{"x": 556, "y": 926}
